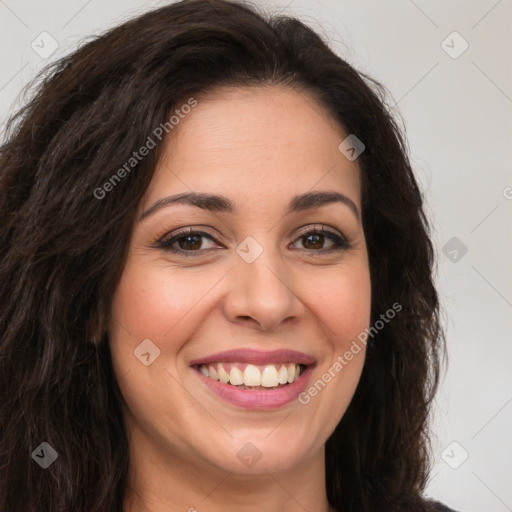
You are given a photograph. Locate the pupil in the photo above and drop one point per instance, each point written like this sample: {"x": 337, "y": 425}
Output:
{"x": 187, "y": 239}
{"x": 317, "y": 237}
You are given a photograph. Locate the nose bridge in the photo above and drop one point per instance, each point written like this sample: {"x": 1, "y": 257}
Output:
{"x": 260, "y": 288}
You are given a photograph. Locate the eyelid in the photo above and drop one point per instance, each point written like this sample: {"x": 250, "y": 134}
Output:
{"x": 341, "y": 242}
{"x": 320, "y": 228}
{"x": 171, "y": 237}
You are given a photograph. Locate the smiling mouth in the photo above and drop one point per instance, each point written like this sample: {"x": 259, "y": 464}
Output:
{"x": 253, "y": 377}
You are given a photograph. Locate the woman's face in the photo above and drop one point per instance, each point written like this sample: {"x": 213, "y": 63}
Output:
{"x": 260, "y": 284}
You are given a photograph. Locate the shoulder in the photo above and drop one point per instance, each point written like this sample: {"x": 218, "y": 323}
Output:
{"x": 440, "y": 507}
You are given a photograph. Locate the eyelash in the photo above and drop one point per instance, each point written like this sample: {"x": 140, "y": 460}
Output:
{"x": 166, "y": 244}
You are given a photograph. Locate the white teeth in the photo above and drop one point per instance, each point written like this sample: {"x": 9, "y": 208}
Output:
{"x": 283, "y": 375}
{"x": 236, "y": 377}
{"x": 291, "y": 372}
{"x": 223, "y": 374}
{"x": 213, "y": 372}
{"x": 252, "y": 376}
{"x": 267, "y": 376}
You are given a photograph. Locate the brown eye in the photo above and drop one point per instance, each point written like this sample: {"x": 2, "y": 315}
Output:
{"x": 185, "y": 242}
{"x": 314, "y": 241}
{"x": 189, "y": 242}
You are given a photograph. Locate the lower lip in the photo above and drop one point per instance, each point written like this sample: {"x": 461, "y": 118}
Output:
{"x": 249, "y": 399}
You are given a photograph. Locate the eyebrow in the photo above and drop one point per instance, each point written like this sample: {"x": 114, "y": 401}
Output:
{"x": 218, "y": 203}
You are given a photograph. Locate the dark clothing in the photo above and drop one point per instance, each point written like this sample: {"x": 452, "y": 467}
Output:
{"x": 442, "y": 508}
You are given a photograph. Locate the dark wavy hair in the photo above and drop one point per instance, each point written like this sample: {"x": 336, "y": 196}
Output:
{"x": 62, "y": 252}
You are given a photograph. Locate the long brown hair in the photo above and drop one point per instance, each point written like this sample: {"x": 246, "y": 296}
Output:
{"x": 62, "y": 251}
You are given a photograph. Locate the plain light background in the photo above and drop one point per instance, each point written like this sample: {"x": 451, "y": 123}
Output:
{"x": 457, "y": 113}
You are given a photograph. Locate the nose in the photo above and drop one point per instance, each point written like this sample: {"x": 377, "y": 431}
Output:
{"x": 262, "y": 293}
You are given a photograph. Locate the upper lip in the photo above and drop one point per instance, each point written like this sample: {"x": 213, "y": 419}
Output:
{"x": 247, "y": 355}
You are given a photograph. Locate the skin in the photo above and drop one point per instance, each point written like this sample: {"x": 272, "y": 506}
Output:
{"x": 260, "y": 147}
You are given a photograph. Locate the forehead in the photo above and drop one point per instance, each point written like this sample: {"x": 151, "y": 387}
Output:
{"x": 252, "y": 142}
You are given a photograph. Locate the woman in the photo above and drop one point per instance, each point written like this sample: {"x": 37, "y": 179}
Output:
{"x": 216, "y": 274}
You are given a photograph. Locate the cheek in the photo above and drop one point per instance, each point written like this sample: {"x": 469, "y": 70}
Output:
{"x": 343, "y": 304}
{"x": 151, "y": 302}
